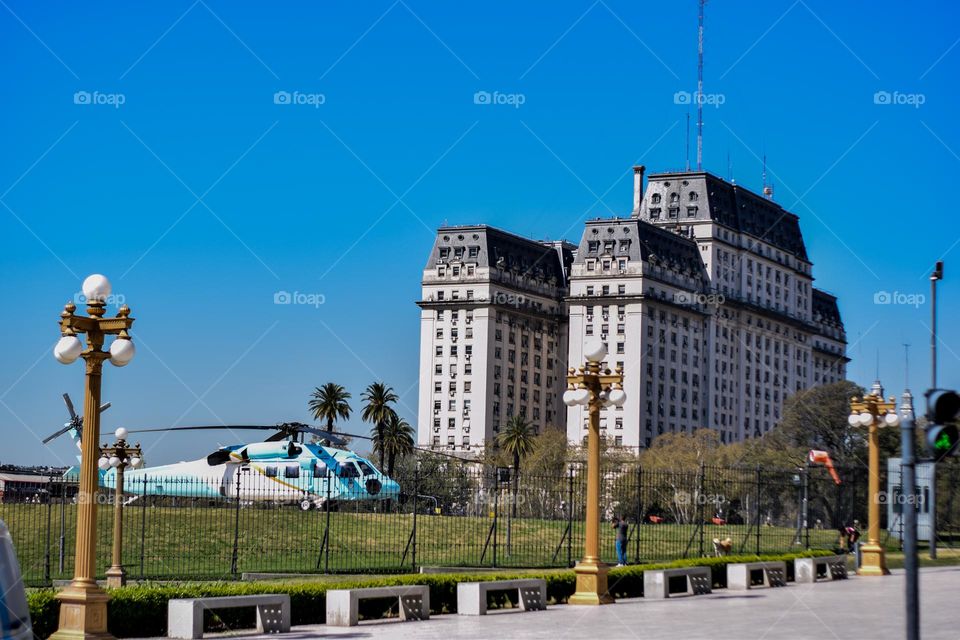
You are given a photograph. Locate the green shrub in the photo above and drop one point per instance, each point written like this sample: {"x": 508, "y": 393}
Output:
{"x": 141, "y": 611}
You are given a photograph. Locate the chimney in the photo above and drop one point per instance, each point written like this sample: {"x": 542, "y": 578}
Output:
{"x": 637, "y": 188}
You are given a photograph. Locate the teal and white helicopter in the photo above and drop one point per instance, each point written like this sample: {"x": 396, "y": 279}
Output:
{"x": 283, "y": 469}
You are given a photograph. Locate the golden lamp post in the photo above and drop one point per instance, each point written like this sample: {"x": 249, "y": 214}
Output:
{"x": 872, "y": 411}
{"x": 118, "y": 456}
{"x": 83, "y": 605}
{"x": 595, "y": 389}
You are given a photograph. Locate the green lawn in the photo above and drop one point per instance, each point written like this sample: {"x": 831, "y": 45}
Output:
{"x": 190, "y": 542}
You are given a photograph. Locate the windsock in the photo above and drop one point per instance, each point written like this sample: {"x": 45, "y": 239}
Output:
{"x": 822, "y": 457}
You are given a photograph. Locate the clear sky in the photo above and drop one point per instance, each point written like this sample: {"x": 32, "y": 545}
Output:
{"x": 154, "y": 143}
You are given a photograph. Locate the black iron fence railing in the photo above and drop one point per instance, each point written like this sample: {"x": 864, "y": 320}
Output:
{"x": 458, "y": 515}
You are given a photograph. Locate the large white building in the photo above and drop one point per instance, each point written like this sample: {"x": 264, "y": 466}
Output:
{"x": 704, "y": 296}
{"x": 493, "y": 335}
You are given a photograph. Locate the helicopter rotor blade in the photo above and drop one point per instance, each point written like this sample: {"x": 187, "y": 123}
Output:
{"x": 58, "y": 433}
{"x": 207, "y": 427}
{"x": 66, "y": 399}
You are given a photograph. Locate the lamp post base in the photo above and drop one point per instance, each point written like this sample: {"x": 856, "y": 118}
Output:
{"x": 591, "y": 584}
{"x": 83, "y": 613}
{"x": 873, "y": 561}
{"x": 116, "y": 577}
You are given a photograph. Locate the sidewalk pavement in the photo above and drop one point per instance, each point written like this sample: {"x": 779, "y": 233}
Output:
{"x": 859, "y": 607}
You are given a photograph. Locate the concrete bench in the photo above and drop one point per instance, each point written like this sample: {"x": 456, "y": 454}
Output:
{"x": 661, "y": 583}
{"x": 343, "y": 605}
{"x": 472, "y": 596}
{"x": 809, "y": 570}
{"x": 740, "y": 575}
{"x": 185, "y": 616}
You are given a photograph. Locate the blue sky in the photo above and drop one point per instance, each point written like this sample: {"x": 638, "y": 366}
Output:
{"x": 145, "y": 142}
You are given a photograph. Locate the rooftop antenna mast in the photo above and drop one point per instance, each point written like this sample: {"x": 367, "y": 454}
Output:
{"x": 767, "y": 188}
{"x": 906, "y": 365}
{"x": 701, "y": 3}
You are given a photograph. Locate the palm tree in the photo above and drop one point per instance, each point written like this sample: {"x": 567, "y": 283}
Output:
{"x": 397, "y": 440}
{"x": 517, "y": 439}
{"x": 329, "y": 403}
{"x": 377, "y": 410}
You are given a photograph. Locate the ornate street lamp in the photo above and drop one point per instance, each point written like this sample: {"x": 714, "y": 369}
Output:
{"x": 83, "y": 604}
{"x": 873, "y": 412}
{"x": 119, "y": 456}
{"x": 594, "y": 388}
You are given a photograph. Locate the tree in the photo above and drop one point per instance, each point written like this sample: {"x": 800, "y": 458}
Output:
{"x": 816, "y": 418}
{"x": 517, "y": 439}
{"x": 397, "y": 440}
{"x": 377, "y": 410}
{"x": 330, "y": 403}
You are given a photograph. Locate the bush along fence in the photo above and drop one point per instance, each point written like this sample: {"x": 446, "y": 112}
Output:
{"x": 440, "y": 513}
{"x": 141, "y": 611}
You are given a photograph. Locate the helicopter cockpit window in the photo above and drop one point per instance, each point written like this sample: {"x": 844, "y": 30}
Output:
{"x": 347, "y": 470}
{"x": 270, "y": 471}
{"x": 365, "y": 469}
{"x": 291, "y": 471}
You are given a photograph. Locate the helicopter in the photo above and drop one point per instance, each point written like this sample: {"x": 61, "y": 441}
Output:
{"x": 283, "y": 468}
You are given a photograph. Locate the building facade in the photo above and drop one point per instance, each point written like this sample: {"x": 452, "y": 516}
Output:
{"x": 493, "y": 336}
{"x": 705, "y": 297}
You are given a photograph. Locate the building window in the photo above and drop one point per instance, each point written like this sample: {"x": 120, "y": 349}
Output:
{"x": 655, "y": 213}
{"x": 691, "y": 212}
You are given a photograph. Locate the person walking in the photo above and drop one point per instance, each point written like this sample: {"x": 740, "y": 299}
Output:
{"x": 622, "y": 528}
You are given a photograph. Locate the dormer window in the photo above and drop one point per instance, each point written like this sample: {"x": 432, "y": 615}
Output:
{"x": 691, "y": 212}
{"x": 674, "y": 197}
{"x": 694, "y": 196}
{"x": 655, "y": 198}
{"x": 655, "y": 213}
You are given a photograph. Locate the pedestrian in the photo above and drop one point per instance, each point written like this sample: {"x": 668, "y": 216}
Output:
{"x": 621, "y": 526}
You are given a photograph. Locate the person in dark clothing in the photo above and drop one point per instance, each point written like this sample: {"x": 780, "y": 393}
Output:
{"x": 622, "y": 528}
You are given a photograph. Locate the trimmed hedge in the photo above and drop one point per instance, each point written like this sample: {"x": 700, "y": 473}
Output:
{"x": 141, "y": 611}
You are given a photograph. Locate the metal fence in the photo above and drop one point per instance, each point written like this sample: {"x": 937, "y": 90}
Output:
{"x": 445, "y": 514}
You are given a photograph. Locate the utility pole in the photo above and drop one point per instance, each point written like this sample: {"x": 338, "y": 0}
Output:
{"x": 934, "y": 277}
{"x": 908, "y": 480}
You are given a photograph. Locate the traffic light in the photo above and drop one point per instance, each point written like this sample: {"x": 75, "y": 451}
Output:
{"x": 943, "y": 410}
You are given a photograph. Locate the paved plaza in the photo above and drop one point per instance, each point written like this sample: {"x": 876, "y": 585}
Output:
{"x": 869, "y": 608}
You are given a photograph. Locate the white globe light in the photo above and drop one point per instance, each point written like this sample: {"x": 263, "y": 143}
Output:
{"x": 854, "y": 419}
{"x": 103, "y": 463}
{"x": 96, "y": 288}
{"x": 135, "y": 462}
{"x": 617, "y": 397}
{"x": 122, "y": 352}
{"x": 866, "y": 419}
{"x": 114, "y": 462}
{"x": 583, "y": 396}
{"x": 121, "y": 433}
{"x": 68, "y": 349}
{"x": 892, "y": 420}
{"x": 595, "y": 350}
{"x": 570, "y": 397}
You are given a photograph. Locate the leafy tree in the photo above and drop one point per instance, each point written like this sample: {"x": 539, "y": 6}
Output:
{"x": 330, "y": 403}
{"x": 377, "y": 410}
{"x": 517, "y": 439}
{"x": 396, "y": 440}
{"x": 816, "y": 418}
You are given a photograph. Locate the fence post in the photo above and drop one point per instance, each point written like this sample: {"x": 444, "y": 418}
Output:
{"x": 759, "y": 480}
{"x": 416, "y": 491}
{"x": 700, "y": 505}
{"x": 570, "y": 516}
{"x": 46, "y": 555}
{"x": 236, "y": 529}
{"x": 326, "y": 530}
{"x": 63, "y": 525}
{"x": 143, "y": 524}
{"x": 496, "y": 512}
{"x": 636, "y": 544}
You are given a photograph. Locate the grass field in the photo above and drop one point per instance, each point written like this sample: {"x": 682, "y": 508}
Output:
{"x": 192, "y": 542}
